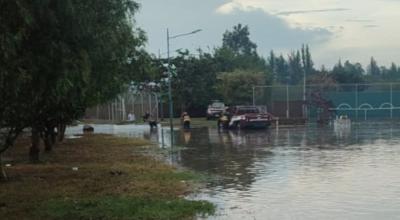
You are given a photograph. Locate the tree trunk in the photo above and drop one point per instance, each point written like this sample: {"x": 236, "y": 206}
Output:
{"x": 49, "y": 138}
{"x": 34, "y": 150}
{"x": 9, "y": 141}
{"x": 3, "y": 171}
{"x": 53, "y": 136}
{"x": 61, "y": 132}
{"x": 48, "y": 145}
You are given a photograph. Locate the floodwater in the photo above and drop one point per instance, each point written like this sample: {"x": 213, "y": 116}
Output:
{"x": 294, "y": 173}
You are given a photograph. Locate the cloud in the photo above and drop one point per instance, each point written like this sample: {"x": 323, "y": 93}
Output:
{"x": 371, "y": 26}
{"x": 268, "y": 31}
{"x": 360, "y": 20}
{"x": 333, "y": 28}
{"x": 286, "y": 13}
{"x": 228, "y": 8}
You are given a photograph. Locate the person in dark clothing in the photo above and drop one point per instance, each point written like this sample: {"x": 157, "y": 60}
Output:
{"x": 146, "y": 117}
{"x": 153, "y": 124}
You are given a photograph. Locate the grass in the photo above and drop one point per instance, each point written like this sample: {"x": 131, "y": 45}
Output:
{"x": 125, "y": 208}
{"x": 113, "y": 180}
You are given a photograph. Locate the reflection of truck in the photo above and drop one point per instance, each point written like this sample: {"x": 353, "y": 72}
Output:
{"x": 249, "y": 117}
{"x": 215, "y": 110}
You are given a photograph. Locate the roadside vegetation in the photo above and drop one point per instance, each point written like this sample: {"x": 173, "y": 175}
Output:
{"x": 59, "y": 58}
{"x": 97, "y": 177}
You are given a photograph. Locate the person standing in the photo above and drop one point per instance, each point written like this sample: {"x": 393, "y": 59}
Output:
{"x": 185, "y": 119}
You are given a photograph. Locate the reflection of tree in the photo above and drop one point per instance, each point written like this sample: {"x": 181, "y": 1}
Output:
{"x": 240, "y": 157}
{"x": 228, "y": 154}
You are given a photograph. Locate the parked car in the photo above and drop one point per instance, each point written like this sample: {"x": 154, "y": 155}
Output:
{"x": 249, "y": 117}
{"x": 215, "y": 110}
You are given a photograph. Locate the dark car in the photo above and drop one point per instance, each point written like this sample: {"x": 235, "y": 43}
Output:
{"x": 249, "y": 117}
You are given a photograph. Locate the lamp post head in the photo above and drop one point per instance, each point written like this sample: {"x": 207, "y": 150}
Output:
{"x": 195, "y": 31}
{"x": 181, "y": 35}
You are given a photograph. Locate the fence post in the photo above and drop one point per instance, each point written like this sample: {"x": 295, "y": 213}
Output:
{"x": 391, "y": 101}
{"x": 287, "y": 101}
{"x": 109, "y": 112}
{"x": 356, "y": 107}
{"x": 156, "y": 106}
{"x": 150, "y": 107}
{"x": 123, "y": 108}
{"x": 141, "y": 100}
{"x": 254, "y": 101}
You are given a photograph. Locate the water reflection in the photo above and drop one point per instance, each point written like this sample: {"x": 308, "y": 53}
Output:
{"x": 230, "y": 155}
{"x": 301, "y": 172}
{"x": 293, "y": 173}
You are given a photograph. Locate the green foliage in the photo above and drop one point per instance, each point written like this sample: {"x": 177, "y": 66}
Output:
{"x": 373, "y": 68}
{"x": 238, "y": 40}
{"x": 281, "y": 70}
{"x": 15, "y": 21}
{"x": 390, "y": 74}
{"x": 306, "y": 60}
{"x": 292, "y": 70}
{"x": 238, "y": 52}
{"x": 125, "y": 208}
{"x": 236, "y": 87}
{"x": 194, "y": 85}
{"x": 348, "y": 73}
{"x": 114, "y": 47}
{"x": 59, "y": 57}
{"x": 296, "y": 71}
{"x": 240, "y": 67}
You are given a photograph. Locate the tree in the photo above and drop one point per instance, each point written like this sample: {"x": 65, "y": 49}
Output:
{"x": 308, "y": 64}
{"x": 238, "y": 52}
{"x": 373, "y": 68}
{"x": 282, "y": 70}
{"x": 194, "y": 84}
{"x": 348, "y": 73}
{"x": 246, "y": 67}
{"x": 272, "y": 64}
{"x": 13, "y": 75}
{"x": 239, "y": 41}
{"x": 295, "y": 68}
{"x": 236, "y": 87}
{"x": 68, "y": 67}
{"x": 390, "y": 74}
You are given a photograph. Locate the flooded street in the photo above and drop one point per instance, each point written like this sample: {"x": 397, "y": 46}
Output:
{"x": 293, "y": 173}
{"x": 301, "y": 173}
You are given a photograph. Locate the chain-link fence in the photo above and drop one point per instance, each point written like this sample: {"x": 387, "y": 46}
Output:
{"x": 134, "y": 105}
{"x": 322, "y": 102}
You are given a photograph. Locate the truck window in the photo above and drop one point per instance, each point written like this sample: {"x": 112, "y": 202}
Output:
{"x": 247, "y": 110}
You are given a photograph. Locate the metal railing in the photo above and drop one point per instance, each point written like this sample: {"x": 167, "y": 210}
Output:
{"x": 359, "y": 101}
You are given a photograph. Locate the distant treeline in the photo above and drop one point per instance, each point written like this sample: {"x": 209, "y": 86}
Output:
{"x": 230, "y": 71}
{"x": 291, "y": 70}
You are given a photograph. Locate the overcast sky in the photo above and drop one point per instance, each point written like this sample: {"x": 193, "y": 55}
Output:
{"x": 334, "y": 29}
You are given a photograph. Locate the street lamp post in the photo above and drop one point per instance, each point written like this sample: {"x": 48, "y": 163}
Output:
{"x": 171, "y": 113}
{"x": 304, "y": 95}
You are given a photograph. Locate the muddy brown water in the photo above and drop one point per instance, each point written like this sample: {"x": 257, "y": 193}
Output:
{"x": 305, "y": 172}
